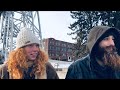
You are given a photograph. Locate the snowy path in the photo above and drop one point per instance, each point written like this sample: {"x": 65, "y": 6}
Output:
{"x": 60, "y": 64}
{"x": 62, "y": 67}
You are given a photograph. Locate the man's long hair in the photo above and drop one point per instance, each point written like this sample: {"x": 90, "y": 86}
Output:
{"x": 17, "y": 63}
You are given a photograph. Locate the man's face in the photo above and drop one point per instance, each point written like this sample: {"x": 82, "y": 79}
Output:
{"x": 107, "y": 43}
{"x": 108, "y": 52}
{"x": 32, "y": 51}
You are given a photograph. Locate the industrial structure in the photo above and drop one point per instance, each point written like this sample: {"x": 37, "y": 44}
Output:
{"x": 11, "y": 23}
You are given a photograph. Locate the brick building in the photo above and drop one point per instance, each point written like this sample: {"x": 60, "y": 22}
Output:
{"x": 59, "y": 50}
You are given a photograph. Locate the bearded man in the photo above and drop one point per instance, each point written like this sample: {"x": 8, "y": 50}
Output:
{"x": 103, "y": 60}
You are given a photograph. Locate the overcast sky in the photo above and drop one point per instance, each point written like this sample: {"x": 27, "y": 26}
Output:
{"x": 54, "y": 24}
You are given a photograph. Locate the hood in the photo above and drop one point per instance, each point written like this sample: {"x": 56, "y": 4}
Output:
{"x": 97, "y": 32}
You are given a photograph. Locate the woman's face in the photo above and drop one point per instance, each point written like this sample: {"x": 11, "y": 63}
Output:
{"x": 32, "y": 51}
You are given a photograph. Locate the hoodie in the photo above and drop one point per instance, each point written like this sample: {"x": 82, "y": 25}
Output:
{"x": 98, "y": 33}
{"x": 87, "y": 67}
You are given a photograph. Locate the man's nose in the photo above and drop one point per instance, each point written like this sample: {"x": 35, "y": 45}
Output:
{"x": 112, "y": 42}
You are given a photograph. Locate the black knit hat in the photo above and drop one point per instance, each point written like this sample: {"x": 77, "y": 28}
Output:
{"x": 116, "y": 36}
{"x": 106, "y": 34}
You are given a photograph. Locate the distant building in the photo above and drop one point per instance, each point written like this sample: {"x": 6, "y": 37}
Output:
{"x": 59, "y": 50}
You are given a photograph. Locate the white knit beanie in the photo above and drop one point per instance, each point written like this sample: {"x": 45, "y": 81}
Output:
{"x": 26, "y": 37}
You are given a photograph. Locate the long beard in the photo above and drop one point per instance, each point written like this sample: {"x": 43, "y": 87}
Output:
{"x": 110, "y": 58}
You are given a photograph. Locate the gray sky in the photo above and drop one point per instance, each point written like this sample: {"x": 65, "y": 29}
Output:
{"x": 54, "y": 24}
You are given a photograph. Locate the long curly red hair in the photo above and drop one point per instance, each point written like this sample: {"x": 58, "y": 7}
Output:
{"x": 17, "y": 63}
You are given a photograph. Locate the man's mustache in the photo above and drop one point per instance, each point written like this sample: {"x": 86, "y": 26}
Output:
{"x": 111, "y": 46}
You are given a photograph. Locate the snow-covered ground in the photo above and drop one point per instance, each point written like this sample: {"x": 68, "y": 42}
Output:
{"x": 62, "y": 67}
{"x": 60, "y": 64}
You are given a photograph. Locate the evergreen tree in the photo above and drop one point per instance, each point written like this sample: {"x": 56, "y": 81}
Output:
{"x": 85, "y": 20}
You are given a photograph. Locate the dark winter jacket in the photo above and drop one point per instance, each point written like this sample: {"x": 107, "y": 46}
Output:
{"x": 50, "y": 72}
{"x": 87, "y": 67}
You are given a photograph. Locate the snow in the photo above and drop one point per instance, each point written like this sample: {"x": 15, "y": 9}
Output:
{"x": 61, "y": 67}
{"x": 60, "y": 64}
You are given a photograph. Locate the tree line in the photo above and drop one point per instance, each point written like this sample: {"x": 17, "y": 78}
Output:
{"x": 84, "y": 21}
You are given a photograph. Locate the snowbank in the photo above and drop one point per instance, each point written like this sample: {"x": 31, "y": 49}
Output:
{"x": 60, "y": 64}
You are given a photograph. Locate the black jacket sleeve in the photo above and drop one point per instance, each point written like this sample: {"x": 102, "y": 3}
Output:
{"x": 70, "y": 73}
{"x": 75, "y": 71}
